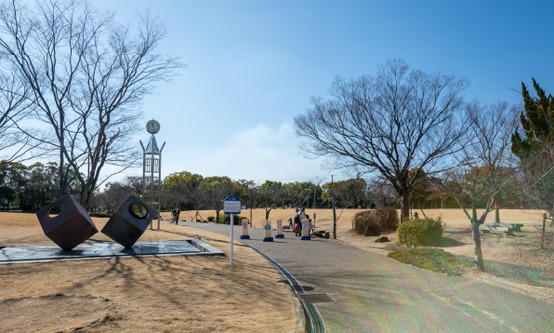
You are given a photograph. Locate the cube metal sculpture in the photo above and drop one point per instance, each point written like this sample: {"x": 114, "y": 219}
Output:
{"x": 70, "y": 227}
{"x": 129, "y": 222}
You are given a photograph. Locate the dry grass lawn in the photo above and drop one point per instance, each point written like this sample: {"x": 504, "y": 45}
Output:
{"x": 142, "y": 294}
{"x": 206, "y": 294}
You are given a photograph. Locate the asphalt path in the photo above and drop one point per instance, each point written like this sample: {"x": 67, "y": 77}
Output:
{"x": 369, "y": 292}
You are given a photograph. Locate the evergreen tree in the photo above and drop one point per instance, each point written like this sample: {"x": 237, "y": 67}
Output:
{"x": 537, "y": 123}
{"x": 535, "y": 147}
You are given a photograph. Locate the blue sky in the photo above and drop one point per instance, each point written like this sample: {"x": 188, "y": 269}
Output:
{"x": 254, "y": 65}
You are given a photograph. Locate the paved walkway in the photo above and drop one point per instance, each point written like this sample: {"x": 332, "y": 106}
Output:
{"x": 372, "y": 293}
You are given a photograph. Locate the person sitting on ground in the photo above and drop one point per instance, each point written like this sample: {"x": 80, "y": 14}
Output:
{"x": 312, "y": 229}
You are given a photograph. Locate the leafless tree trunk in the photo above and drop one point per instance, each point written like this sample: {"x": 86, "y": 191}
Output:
{"x": 538, "y": 179}
{"x": 476, "y": 237}
{"x": 87, "y": 76}
{"x": 392, "y": 123}
{"x": 487, "y": 167}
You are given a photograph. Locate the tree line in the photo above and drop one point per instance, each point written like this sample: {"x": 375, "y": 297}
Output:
{"x": 29, "y": 188}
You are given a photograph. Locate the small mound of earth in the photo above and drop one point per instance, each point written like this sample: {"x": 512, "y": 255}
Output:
{"x": 34, "y": 314}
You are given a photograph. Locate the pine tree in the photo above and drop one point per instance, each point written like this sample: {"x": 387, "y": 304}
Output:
{"x": 537, "y": 122}
{"x": 535, "y": 147}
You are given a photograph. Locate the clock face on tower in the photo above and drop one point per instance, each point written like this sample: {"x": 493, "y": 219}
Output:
{"x": 153, "y": 126}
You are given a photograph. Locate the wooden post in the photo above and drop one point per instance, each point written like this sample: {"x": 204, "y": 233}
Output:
{"x": 334, "y": 210}
{"x": 543, "y": 234}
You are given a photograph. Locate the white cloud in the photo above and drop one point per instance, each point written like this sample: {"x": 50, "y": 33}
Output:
{"x": 260, "y": 153}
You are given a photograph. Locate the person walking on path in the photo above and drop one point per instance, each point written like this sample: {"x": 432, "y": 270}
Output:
{"x": 297, "y": 225}
{"x": 298, "y": 218}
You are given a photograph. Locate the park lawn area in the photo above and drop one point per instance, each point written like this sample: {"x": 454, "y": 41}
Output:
{"x": 205, "y": 294}
{"x": 142, "y": 294}
{"x": 435, "y": 260}
{"x": 516, "y": 262}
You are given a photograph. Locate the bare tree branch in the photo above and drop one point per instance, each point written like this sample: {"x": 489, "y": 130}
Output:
{"x": 391, "y": 123}
{"x": 87, "y": 76}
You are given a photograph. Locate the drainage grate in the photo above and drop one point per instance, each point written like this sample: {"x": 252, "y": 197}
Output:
{"x": 316, "y": 298}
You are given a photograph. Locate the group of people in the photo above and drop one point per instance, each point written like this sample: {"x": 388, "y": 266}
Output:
{"x": 298, "y": 218}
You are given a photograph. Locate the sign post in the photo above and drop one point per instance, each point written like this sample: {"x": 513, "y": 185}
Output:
{"x": 231, "y": 206}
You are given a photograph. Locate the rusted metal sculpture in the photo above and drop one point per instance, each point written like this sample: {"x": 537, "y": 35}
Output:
{"x": 129, "y": 222}
{"x": 70, "y": 227}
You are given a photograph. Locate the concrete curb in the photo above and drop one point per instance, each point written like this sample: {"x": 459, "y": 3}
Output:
{"x": 314, "y": 321}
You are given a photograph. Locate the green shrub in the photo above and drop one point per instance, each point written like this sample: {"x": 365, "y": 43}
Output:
{"x": 420, "y": 232}
{"x": 98, "y": 214}
{"x": 225, "y": 218}
{"x": 435, "y": 260}
{"x": 374, "y": 222}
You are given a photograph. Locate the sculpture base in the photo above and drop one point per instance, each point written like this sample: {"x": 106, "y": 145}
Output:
{"x": 38, "y": 253}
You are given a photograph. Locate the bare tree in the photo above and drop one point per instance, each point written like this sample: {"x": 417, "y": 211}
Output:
{"x": 217, "y": 189}
{"x": 487, "y": 167}
{"x": 298, "y": 194}
{"x": 269, "y": 195}
{"x": 87, "y": 76}
{"x": 185, "y": 188}
{"x": 392, "y": 123}
{"x": 14, "y": 106}
{"x": 538, "y": 179}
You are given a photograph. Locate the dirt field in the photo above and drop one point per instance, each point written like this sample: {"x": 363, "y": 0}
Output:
{"x": 206, "y": 294}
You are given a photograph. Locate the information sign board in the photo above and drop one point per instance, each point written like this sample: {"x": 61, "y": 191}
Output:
{"x": 231, "y": 205}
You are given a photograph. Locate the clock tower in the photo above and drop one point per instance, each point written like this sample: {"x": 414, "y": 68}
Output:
{"x": 151, "y": 169}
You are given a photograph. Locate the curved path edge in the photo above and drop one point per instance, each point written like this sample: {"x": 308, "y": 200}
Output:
{"x": 314, "y": 321}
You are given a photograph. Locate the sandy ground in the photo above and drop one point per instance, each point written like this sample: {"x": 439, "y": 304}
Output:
{"x": 142, "y": 294}
{"x": 206, "y": 294}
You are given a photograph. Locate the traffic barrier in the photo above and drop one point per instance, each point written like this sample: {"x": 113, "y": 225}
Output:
{"x": 245, "y": 234}
{"x": 267, "y": 232}
{"x": 306, "y": 227}
{"x": 279, "y": 231}
{"x": 70, "y": 227}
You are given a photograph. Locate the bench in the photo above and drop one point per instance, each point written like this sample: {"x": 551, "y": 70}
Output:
{"x": 492, "y": 228}
{"x": 513, "y": 226}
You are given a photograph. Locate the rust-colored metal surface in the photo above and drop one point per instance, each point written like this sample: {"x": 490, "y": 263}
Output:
{"x": 70, "y": 227}
{"x": 129, "y": 222}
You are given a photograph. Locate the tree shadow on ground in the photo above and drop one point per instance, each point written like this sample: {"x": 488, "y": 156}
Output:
{"x": 533, "y": 276}
{"x": 449, "y": 242}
